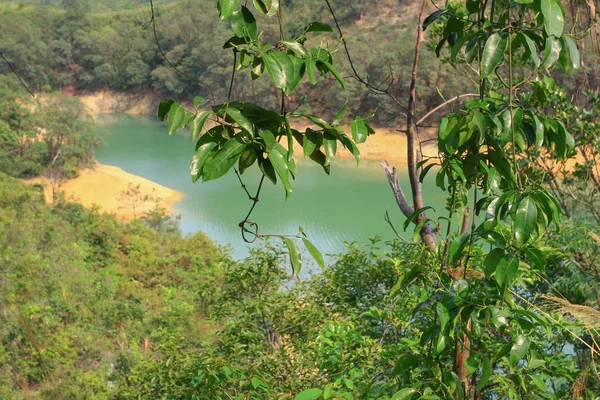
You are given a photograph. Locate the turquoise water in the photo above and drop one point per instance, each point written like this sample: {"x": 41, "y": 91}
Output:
{"x": 346, "y": 206}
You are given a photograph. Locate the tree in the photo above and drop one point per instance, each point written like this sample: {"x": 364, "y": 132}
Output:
{"x": 497, "y": 218}
{"x": 133, "y": 198}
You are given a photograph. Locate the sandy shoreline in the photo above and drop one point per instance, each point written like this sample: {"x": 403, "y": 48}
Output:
{"x": 386, "y": 144}
{"x": 105, "y": 186}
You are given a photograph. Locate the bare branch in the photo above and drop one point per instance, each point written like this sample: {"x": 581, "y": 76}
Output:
{"x": 445, "y": 103}
{"x": 17, "y": 75}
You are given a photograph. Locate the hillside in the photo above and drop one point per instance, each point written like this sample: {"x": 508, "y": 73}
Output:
{"x": 79, "y": 51}
{"x": 84, "y": 295}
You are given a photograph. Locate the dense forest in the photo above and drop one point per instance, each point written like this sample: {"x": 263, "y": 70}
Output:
{"x": 94, "y": 308}
{"x": 84, "y": 46}
{"x": 73, "y": 49}
{"x": 498, "y": 300}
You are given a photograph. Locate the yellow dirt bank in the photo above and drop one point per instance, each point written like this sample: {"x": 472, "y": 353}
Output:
{"x": 104, "y": 185}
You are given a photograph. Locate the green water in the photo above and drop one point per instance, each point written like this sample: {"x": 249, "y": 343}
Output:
{"x": 346, "y": 206}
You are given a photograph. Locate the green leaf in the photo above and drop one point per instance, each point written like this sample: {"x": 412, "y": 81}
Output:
{"x": 204, "y": 147}
{"x": 224, "y": 159}
{"x": 274, "y": 8}
{"x": 262, "y": 6}
{"x": 328, "y": 392}
{"x": 433, "y": 17}
{"x": 441, "y": 343}
{"x": 531, "y": 49}
{"x": 226, "y": 7}
{"x": 404, "y": 394}
{"x": 349, "y": 144}
{"x": 536, "y": 255}
{"x": 199, "y": 101}
{"x": 554, "y": 19}
{"x": 314, "y": 252}
{"x": 290, "y": 142}
{"x": 539, "y": 382}
{"x": 278, "y": 159}
{"x": 539, "y": 132}
{"x": 339, "y": 115}
{"x": 319, "y": 157}
{"x": 507, "y": 269}
{"x": 491, "y": 261}
{"x": 296, "y": 76}
{"x": 243, "y": 24}
{"x": 296, "y": 47}
{"x": 247, "y": 158}
{"x": 176, "y": 115}
{"x": 418, "y": 228}
{"x": 258, "y": 67}
{"x": 320, "y": 122}
{"x": 267, "y": 7}
{"x": 310, "y": 70}
{"x": 164, "y": 107}
{"x": 415, "y": 215}
{"x": 519, "y": 350}
{"x": 311, "y": 141}
{"x": 240, "y": 119}
{"x": 457, "y": 247}
{"x": 493, "y": 180}
{"x": 525, "y": 220}
{"x": 444, "y": 315}
{"x": 317, "y": 26}
{"x": 425, "y": 171}
{"x": 360, "y": 130}
{"x": 187, "y": 118}
{"x": 551, "y": 52}
{"x": 486, "y": 372}
{"x": 493, "y": 52}
{"x": 278, "y": 72}
{"x": 234, "y": 41}
{"x": 334, "y": 71}
{"x": 330, "y": 145}
{"x": 294, "y": 256}
{"x": 268, "y": 137}
{"x": 502, "y": 351}
{"x": 197, "y": 124}
{"x": 266, "y": 167}
{"x": 479, "y": 121}
{"x": 573, "y": 52}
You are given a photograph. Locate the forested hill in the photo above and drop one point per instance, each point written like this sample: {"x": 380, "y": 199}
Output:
{"x": 70, "y": 45}
{"x": 94, "y": 6}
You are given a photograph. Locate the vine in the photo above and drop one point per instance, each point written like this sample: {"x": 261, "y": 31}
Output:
{"x": 248, "y": 134}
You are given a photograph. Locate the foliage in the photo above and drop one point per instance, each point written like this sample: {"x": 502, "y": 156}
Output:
{"x": 126, "y": 312}
{"x": 84, "y": 297}
{"x": 479, "y": 330}
{"x": 458, "y": 319}
{"x": 52, "y": 136}
{"x": 80, "y": 48}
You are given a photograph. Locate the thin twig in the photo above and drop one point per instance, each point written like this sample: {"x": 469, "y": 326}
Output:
{"x": 17, "y": 75}
{"x": 243, "y": 184}
{"x": 445, "y": 103}
{"x": 164, "y": 56}
{"x": 356, "y": 75}
{"x": 387, "y": 219}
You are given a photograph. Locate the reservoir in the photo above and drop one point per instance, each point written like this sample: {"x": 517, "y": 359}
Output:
{"x": 346, "y": 206}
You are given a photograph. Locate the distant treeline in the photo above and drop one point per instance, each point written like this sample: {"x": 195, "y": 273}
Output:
{"x": 65, "y": 45}
{"x": 72, "y": 45}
